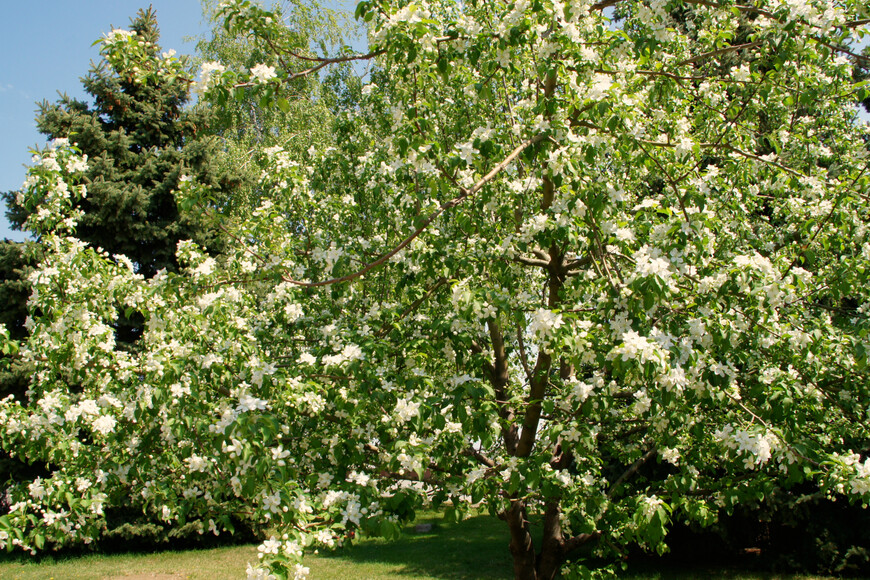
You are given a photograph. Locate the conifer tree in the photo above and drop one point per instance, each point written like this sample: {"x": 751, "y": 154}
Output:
{"x": 140, "y": 142}
{"x": 17, "y": 260}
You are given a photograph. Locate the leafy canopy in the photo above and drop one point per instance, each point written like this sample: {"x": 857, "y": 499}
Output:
{"x": 580, "y": 266}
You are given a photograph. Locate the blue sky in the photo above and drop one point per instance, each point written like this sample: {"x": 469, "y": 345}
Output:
{"x": 46, "y": 48}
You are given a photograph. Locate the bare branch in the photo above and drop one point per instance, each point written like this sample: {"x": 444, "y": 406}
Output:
{"x": 481, "y": 458}
{"x": 604, "y": 4}
{"x": 338, "y": 59}
{"x": 632, "y": 470}
{"x": 499, "y": 378}
{"x": 540, "y": 380}
{"x": 541, "y": 254}
{"x": 323, "y": 62}
{"x": 465, "y": 194}
{"x": 532, "y": 262}
{"x": 719, "y": 51}
{"x": 575, "y": 265}
{"x": 757, "y": 158}
{"x": 579, "y": 540}
{"x": 864, "y": 60}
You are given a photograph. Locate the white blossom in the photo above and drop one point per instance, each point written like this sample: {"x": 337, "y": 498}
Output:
{"x": 407, "y": 409}
{"x": 263, "y": 73}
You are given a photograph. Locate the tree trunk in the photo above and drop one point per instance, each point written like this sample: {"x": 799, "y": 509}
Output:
{"x": 552, "y": 555}
{"x": 555, "y": 548}
{"x": 521, "y": 546}
{"x": 527, "y": 564}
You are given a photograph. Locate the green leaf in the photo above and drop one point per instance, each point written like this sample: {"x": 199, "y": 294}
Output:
{"x": 389, "y": 530}
{"x": 361, "y": 9}
{"x": 228, "y": 523}
{"x": 444, "y": 68}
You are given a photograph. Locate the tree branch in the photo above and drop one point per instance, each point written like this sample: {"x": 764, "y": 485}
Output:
{"x": 481, "y": 458}
{"x": 465, "y": 194}
{"x": 334, "y": 60}
{"x": 579, "y": 540}
{"x": 632, "y": 470}
{"x": 499, "y": 379}
{"x": 531, "y": 262}
{"x": 719, "y": 51}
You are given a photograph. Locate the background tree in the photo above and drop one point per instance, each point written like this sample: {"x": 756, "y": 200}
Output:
{"x": 304, "y": 121}
{"x": 17, "y": 261}
{"x": 140, "y": 141}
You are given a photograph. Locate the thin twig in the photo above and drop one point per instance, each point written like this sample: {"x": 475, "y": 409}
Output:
{"x": 719, "y": 51}
{"x": 465, "y": 194}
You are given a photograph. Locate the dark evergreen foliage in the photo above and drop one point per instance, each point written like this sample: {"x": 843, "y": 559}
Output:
{"x": 861, "y": 72}
{"x": 140, "y": 141}
{"x": 17, "y": 260}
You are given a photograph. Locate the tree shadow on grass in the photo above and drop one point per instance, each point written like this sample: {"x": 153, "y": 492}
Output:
{"x": 475, "y": 548}
{"x": 714, "y": 571}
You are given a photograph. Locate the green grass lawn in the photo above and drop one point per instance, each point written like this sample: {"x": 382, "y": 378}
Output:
{"x": 472, "y": 549}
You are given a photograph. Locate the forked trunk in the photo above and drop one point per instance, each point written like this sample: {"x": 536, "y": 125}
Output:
{"x": 522, "y": 547}
{"x": 554, "y": 547}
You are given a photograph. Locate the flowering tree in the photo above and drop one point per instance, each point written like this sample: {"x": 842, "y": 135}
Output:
{"x": 567, "y": 264}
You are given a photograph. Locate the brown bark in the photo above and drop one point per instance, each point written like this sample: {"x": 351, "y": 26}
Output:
{"x": 540, "y": 379}
{"x": 499, "y": 378}
{"x": 552, "y": 545}
{"x": 521, "y": 546}
{"x": 541, "y": 372}
{"x": 555, "y": 548}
